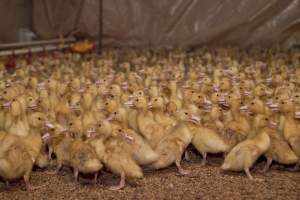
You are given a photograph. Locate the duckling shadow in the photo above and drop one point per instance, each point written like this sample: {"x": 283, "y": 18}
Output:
{"x": 108, "y": 179}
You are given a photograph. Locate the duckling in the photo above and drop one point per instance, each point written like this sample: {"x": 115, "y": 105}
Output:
{"x": 16, "y": 120}
{"x": 141, "y": 151}
{"x": 157, "y": 105}
{"x": 16, "y": 162}
{"x": 244, "y": 154}
{"x": 118, "y": 160}
{"x": 173, "y": 145}
{"x": 61, "y": 143}
{"x": 148, "y": 127}
{"x": 207, "y": 140}
{"x": 174, "y": 94}
{"x": 290, "y": 130}
{"x": 83, "y": 159}
{"x": 103, "y": 131}
{"x": 33, "y": 141}
{"x": 239, "y": 128}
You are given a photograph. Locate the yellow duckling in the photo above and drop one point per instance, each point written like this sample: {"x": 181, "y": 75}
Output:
{"x": 244, "y": 154}
{"x": 173, "y": 145}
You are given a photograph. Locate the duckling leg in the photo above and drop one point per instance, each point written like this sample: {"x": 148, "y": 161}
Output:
{"x": 121, "y": 184}
{"x": 29, "y": 187}
{"x": 50, "y": 153}
{"x": 248, "y": 173}
{"x": 267, "y": 166}
{"x": 180, "y": 169}
{"x": 59, "y": 166}
{"x": 96, "y": 177}
{"x": 76, "y": 172}
{"x": 187, "y": 156}
{"x": 204, "y": 155}
{"x": 7, "y": 184}
{"x": 296, "y": 168}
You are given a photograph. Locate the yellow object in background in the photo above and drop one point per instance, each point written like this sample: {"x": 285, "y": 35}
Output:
{"x": 82, "y": 47}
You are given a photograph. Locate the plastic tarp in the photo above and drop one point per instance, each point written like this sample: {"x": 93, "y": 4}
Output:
{"x": 173, "y": 22}
{"x": 14, "y": 14}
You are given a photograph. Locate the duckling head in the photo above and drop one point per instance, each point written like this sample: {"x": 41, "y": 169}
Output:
{"x": 115, "y": 90}
{"x": 184, "y": 115}
{"x": 104, "y": 128}
{"x": 156, "y": 103}
{"x": 286, "y": 106}
{"x": 171, "y": 107}
{"x": 140, "y": 103}
{"x": 37, "y": 119}
{"x": 111, "y": 105}
{"x": 256, "y": 106}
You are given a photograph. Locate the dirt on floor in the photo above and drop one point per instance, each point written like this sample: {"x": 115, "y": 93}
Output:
{"x": 204, "y": 182}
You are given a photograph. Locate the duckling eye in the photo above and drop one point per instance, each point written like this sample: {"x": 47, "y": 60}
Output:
{"x": 186, "y": 113}
{"x": 140, "y": 93}
{"x": 39, "y": 118}
{"x": 115, "y": 113}
{"x": 252, "y": 103}
{"x": 70, "y": 123}
{"x": 48, "y": 81}
{"x": 297, "y": 96}
{"x": 277, "y": 98}
{"x": 99, "y": 125}
{"x": 282, "y": 103}
{"x": 119, "y": 130}
{"x": 5, "y": 92}
{"x": 77, "y": 104}
{"x": 155, "y": 99}
{"x": 193, "y": 92}
{"x": 137, "y": 100}
{"x": 30, "y": 99}
{"x": 217, "y": 95}
{"x": 266, "y": 119}
{"x": 229, "y": 97}
{"x": 106, "y": 104}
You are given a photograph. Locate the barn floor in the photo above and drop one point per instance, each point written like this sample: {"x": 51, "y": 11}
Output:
{"x": 206, "y": 182}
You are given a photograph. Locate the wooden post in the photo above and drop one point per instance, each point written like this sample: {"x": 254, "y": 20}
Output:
{"x": 100, "y": 33}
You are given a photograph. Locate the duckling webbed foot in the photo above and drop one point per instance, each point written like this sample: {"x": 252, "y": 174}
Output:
{"x": 267, "y": 166}
{"x": 29, "y": 187}
{"x": 247, "y": 170}
{"x": 204, "y": 156}
{"x": 121, "y": 184}
{"x": 187, "y": 156}
{"x": 297, "y": 166}
{"x": 95, "y": 178}
{"x": 180, "y": 169}
{"x": 59, "y": 166}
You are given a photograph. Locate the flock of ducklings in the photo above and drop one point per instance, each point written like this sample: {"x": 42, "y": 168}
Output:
{"x": 125, "y": 112}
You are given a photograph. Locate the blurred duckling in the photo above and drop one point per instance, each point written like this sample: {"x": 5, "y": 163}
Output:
{"x": 245, "y": 154}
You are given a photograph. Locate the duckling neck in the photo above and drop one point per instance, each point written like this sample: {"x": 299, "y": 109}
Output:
{"x": 5, "y": 168}
{"x": 289, "y": 115}
{"x": 158, "y": 111}
{"x": 143, "y": 110}
{"x": 262, "y": 139}
{"x": 173, "y": 91}
{"x": 235, "y": 113}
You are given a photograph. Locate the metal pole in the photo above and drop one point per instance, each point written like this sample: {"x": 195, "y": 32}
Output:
{"x": 100, "y": 33}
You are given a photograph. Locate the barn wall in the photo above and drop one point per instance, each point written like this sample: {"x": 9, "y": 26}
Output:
{"x": 14, "y": 14}
{"x": 172, "y": 22}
